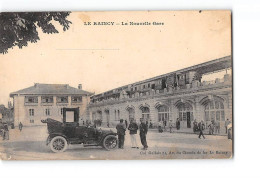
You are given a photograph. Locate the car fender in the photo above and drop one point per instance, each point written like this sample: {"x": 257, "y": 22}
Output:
{"x": 51, "y": 136}
{"x": 106, "y": 134}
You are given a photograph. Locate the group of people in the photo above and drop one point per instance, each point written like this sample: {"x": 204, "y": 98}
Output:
{"x": 133, "y": 128}
{"x": 213, "y": 126}
{"x": 163, "y": 124}
{"x": 4, "y": 129}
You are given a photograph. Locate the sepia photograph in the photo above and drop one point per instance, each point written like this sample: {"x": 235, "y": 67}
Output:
{"x": 116, "y": 85}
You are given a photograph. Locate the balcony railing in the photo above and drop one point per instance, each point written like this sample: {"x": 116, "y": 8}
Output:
{"x": 195, "y": 87}
{"x": 31, "y": 103}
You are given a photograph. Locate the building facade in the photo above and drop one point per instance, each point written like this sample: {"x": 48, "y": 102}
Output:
{"x": 181, "y": 94}
{"x": 42, "y": 101}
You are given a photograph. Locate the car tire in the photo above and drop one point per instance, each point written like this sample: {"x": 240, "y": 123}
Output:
{"x": 110, "y": 142}
{"x": 58, "y": 144}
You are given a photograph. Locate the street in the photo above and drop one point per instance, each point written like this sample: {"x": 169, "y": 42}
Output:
{"x": 30, "y": 145}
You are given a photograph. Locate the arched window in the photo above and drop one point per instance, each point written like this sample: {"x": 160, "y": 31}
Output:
{"x": 146, "y": 113}
{"x": 107, "y": 115}
{"x": 131, "y": 112}
{"x": 185, "y": 111}
{"x": 99, "y": 115}
{"x": 163, "y": 113}
{"x": 118, "y": 113}
{"x": 214, "y": 110}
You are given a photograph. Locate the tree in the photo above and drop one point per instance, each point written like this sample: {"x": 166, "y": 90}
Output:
{"x": 19, "y": 28}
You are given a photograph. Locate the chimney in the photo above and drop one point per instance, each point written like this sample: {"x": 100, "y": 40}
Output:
{"x": 36, "y": 85}
{"x": 80, "y": 86}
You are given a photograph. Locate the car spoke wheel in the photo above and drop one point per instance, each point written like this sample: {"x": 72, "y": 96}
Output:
{"x": 110, "y": 142}
{"x": 58, "y": 144}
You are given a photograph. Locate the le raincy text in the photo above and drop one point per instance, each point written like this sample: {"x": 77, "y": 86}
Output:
{"x": 123, "y": 23}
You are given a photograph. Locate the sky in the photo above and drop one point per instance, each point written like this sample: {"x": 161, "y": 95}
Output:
{"x": 103, "y": 57}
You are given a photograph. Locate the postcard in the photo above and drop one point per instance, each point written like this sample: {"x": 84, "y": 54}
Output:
{"x": 116, "y": 85}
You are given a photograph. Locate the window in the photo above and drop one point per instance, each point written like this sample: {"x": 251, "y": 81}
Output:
{"x": 143, "y": 86}
{"x": 31, "y": 99}
{"x": 146, "y": 113}
{"x": 135, "y": 88}
{"x": 149, "y": 85}
{"x": 107, "y": 115}
{"x": 163, "y": 113}
{"x": 185, "y": 109}
{"x": 61, "y": 111}
{"x": 62, "y": 99}
{"x": 99, "y": 115}
{"x": 214, "y": 111}
{"x": 31, "y": 112}
{"x": 76, "y": 99}
{"x": 31, "y": 121}
{"x": 93, "y": 116}
{"x": 47, "y": 99}
{"x": 47, "y": 112}
{"x": 131, "y": 112}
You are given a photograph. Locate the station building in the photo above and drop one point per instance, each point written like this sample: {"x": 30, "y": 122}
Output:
{"x": 42, "y": 101}
{"x": 182, "y": 94}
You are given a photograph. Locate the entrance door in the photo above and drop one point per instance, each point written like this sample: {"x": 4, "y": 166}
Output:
{"x": 188, "y": 120}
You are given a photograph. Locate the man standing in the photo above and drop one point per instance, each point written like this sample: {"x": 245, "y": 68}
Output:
{"x": 227, "y": 122}
{"x": 121, "y": 128}
{"x": 6, "y": 132}
{"x": 143, "y": 131}
{"x": 178, "y": 124}
{"x": 195, "y": 126}
{"x": 211, "y": 128}
{"x": 133, "y": 127}
{"x": 217, "y": 127}
{"x": 201, "y": 128}
{"x": 21, "y": 126}
{"x": 160, "y": 127}
{"x": 171, "y": 127}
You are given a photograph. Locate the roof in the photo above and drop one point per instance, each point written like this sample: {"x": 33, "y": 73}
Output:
{"x": 202, "y": 68}
{"x": 50, "y": 89}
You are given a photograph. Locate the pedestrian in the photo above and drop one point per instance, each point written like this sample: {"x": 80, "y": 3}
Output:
{"x": 121, "y": 128}
{"x": 20, "y": 126}
{"x": 201, "y": 128}
{"x": 151, "y": 125}
{"x": 143, "y": 132}
{"x": 160, "y": 130}
{"x": 133, "y": 127}
{"x": 126, "y": 123}
{"x": 6, "y": 132}
{"x": 211, "y": 128}
{"x": 171, "y": 126}
{"x": 227, "y": 122}
{"x": 217, "y": 126}
{"x": 178, "y": 124}
{"x": 195, "y": 126}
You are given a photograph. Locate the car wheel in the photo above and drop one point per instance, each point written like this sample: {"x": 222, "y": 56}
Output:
{"x": 110, "y": 142}
{"x": 58, "y": 144}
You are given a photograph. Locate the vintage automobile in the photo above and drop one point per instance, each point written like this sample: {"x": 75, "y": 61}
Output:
{"x": 61, "y": 134}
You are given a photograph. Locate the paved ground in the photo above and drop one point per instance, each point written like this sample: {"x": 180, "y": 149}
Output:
{"x": 30, "y": 145}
